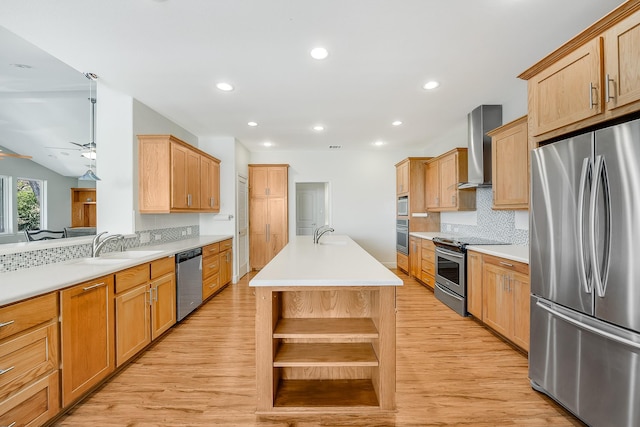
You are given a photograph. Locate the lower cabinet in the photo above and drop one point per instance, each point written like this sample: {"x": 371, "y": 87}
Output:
{"x": 474, "y": 284}
{"x": 87, "y": 339}
{"x": 145, "y": 303}
{"x": 29, "y": 360}
{"x": 226, "y": 262}
{"x": 415, "y": 259}
{"x": 402, "y": 262}
{"x": 506, "y": 291}
{"x": 428, "y": 265}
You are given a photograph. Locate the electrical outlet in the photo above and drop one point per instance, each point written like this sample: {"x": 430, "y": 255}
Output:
{"x": 184, "y": 233}
{"x": 145, "y": 237}
{"x": 157, "y": 236}
{"x": 455, "y": 229}
{"x": 448, "y": 227}
{"x": 189, "y": 231}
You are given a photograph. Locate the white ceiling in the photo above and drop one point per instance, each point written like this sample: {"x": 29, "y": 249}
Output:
{"x": 170, "y": 54}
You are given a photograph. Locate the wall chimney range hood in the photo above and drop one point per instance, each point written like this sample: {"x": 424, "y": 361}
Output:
{"x": 480, "y": 121}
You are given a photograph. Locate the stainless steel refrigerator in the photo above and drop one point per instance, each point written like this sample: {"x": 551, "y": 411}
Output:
{"x": 585, "y": 274}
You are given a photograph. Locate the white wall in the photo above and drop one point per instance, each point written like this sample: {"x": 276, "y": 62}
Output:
{"x": 362, "y": 188}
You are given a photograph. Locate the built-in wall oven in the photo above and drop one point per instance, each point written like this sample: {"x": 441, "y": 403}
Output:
{"x": 403, "y": 206}
{"x": 451, "y": 270}
{"x": 402, "y": 236}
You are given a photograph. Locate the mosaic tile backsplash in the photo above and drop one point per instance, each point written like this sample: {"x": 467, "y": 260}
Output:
{"x": 22, "y": 260}
{"x": 491, "y": 224}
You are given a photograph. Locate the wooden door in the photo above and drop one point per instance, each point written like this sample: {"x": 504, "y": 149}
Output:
{"x": 448, "y": 166}
{"x": 510, "y": 159}
{"x": 87, "y": 336}
{"x": 163, "y": 306}
{"x": 225, "y": 267}
{"x": 621, "y": 51}
{"x": 520, "y": 290}
{"x": 432, "y": 184}
{"x": 497, "y": 308}
{"x": 258, "y": 181}
{"x": 132, "y": 322}
{"x": 567, "y": 91}
{"x": 474, "y": 284}
{"x": 277, "y": 214}
{"x": 277, "y": 181}
{"x": 258, "y": 219}
{"x": 209, "y": 184}
{"x": 402, "y": 178}
{"x": 415, "y": 259}
{"x": 179, "y": 190}
{"x": 193, "y": 179}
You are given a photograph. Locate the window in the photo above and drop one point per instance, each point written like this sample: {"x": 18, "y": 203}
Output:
{"x": 29, "y": 194}
{"x": 4, "y": 204}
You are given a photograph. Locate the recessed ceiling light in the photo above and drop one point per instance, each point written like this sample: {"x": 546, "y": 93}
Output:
{"x": 64, "y": 153}
{"x": 379, "y": 143}
{"x": 396, "y": 123}
{"x": 318, "y": 128}
{"x": 226, "y": 87}
{"x": 267, "y": 144}
{"x": 21, "y": 65}
{"x": 252, "y": 124}
{"x": 431, "y": 85}
{"x": 319, "y": 53}
{"x": 335, "y": 147}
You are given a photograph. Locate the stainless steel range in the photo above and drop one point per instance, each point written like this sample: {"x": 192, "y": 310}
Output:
{"x": 451, "y": 269}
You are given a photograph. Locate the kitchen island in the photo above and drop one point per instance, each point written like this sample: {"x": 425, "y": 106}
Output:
{"x": 325, "y": 330}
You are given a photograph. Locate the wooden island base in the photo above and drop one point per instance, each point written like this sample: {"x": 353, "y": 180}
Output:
{"x": 325, "y": 349}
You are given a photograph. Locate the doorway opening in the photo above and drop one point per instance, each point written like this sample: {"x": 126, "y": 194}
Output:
{"x": 312, "y": 206}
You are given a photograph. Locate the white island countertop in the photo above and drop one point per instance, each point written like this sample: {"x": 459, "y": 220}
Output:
{"x": 22, "y": 284}
{"x": 336, "y": 261}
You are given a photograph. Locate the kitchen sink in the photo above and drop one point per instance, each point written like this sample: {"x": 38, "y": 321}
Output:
{"x": 128, "y": 254}
{"x": 97, "y": 261}
{"x": 333, "y": 242}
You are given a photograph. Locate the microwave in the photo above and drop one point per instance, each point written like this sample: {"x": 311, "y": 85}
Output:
{"x": 403, "y": 206}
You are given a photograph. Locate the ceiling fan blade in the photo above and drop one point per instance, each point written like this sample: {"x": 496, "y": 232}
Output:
{"x": 62, "y": 148}
{"x": 79, "y": 145}
{"x": 19, "y": 156}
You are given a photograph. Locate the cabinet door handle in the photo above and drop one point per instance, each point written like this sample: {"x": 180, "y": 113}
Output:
{"x": 4, "y": 371}
{"x": 150, "y": 296}
{"x": 268, "y": 234}
{"x": 188, "y": 199}
{"x": 506, "y": 263}
{"x": 97, "y": 285}
{"x": 453, "y": 199}
{"x": 7, "y": 323}
{"x": 212, "y": 201}
{"x": 12, "y": 424}
{"x": 156, "y": 298}
{"x": 607, "y": 90}
{"x": 592, "y": 101}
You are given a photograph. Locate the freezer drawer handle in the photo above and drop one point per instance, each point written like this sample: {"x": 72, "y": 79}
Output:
{"x": 586, "y": 327}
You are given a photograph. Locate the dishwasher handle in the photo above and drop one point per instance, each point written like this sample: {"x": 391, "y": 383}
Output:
{"x": 187, "y": 255}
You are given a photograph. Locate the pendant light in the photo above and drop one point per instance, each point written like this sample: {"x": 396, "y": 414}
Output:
{"x": 89, "y": 175}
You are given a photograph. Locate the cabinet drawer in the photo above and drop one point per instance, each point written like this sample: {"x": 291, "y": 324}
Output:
{"x": 131, "y": 277}
{"x": 24, "y": 315}
{"x": 34, "y": 405}
{"x": 211, "y": 249}
{"x": 210, "y": 285}
{"x": 28, "y": 356}
{"x": 225, "y": 244}
{"x": 427, "y": 245}
{"x": 428, "y": 279}
{"x": 429, "y": 266}
{"x": 162, "y": 266}
{"x": 506, "y": 264}
{"x": 210, "y": 266}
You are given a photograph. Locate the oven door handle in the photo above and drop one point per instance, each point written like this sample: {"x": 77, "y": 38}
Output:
{"x": 449, "y": 253}
{"x": 448, "y": 292}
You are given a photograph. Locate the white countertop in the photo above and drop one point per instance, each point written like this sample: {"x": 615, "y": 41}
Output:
{"x": 518, "y": 253}
{"x": 30, "y": 282}
{"x": 429, "y": 234}
{"x": 336, "y": 261}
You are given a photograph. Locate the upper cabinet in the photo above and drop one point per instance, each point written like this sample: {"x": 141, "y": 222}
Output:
{"x": 591, "y": 79}
{"x": 441, "y": 183}
{"x": 410, "y": 182}
{"x": 510, "y": 160}
{"x": 402, "y": 177}
{"x": 83, "y": 207}
{"x": 176, "y": 177}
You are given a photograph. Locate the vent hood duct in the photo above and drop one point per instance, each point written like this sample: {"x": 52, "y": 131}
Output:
{"x": 480, "y": 121}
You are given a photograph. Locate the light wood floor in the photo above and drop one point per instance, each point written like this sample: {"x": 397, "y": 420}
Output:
{"x": 450, "y": 371}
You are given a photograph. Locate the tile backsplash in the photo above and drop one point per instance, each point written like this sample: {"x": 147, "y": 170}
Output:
{"x": 504, "y": 225}
{"x": 28, "y": 259}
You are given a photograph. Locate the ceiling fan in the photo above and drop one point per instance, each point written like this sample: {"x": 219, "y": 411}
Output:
{"x": 88, "y": 149}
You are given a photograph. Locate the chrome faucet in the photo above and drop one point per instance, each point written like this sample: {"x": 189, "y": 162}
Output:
{"x": 97, "y": 245}
{"x": 319, "y": 232}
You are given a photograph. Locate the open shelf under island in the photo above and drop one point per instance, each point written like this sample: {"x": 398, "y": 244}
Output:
{"x": 325, "y": 330}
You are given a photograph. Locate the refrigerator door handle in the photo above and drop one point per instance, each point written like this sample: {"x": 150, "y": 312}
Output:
{"x": 599, "y": 277}
{"x": 552, "y": 310}
{"x": 582, "y": 269}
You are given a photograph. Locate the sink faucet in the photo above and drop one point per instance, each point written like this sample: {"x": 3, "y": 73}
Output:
{"x": 319, "y": 232}
{"x": 97, "y": 245}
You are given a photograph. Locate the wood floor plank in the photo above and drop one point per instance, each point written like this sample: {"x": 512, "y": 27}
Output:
{"x": 450, "y": 371}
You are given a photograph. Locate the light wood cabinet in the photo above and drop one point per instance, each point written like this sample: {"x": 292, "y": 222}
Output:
{"x": 442, "y": 193}
{"x": 268, "y": 212}
{"x": 87, "y": 341}
{"x": 506, "y": 292}
{"x": 428, "y": 273}
{"x": 29, "y": 361}
{"x": 226, "y": 262}
{"x": 210, "y": 270}
{"x": 83, "y": 207}
{"x": 415, "y": 257}
{"x": 315, "y": 356}
{"x": 510, "y": 160}
{"x": 402, "y": 262}
{"x": 402, "y": 177}
{"x": 474, "y": 284}
{"x": 145, "y": 304}
{"x": 171, "y": 176}
{"x": 591, "y": 79}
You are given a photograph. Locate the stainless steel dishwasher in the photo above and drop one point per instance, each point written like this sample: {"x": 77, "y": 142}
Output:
{"x": 188, "y": 281}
